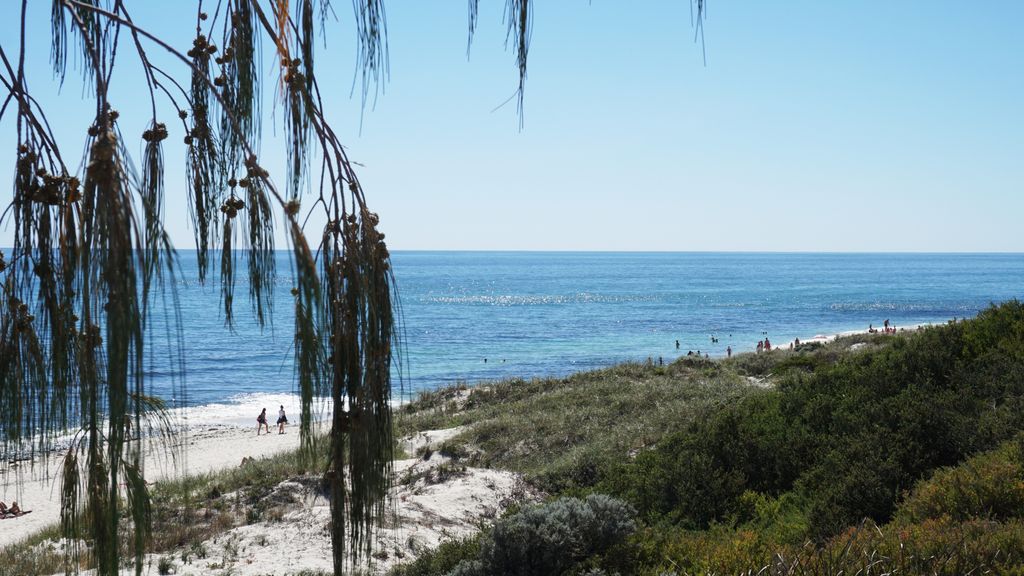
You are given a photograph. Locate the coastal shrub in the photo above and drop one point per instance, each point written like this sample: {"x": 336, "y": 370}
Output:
{"x": 552, "y": 538}
{"x": 859, "y": 481}
{"x": 696, "y": 477}
{"x": 449, "y": 555}
{"x": 577, "y": 472}
{"x": 778, "y": 519}
{"x": 988, "y": 486}
{"x": 165, "y": 566}
{"x": 934, "y": 547}
{"x": 753, "y": 364}
{"x": 453, "y": 450}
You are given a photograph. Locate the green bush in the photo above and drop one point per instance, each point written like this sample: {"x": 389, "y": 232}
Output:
{"x": 442, "y": 559}
{"x": 552, "y": 538}
{"x": 165, "y": 566}
{"x": 934, "y": 547}
{"x": 989, "y": 486}
{"x": 696, "y": 477}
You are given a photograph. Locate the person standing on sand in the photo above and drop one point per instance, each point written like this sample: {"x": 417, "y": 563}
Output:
{"x": 261, "y": 422}
{"x": 281, "y": 420}
{"x": 728, "y": 351}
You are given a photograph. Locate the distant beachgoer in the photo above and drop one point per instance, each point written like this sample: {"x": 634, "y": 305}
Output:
{"x": 728, "y": 351}
{"x": 760, "y": 346}
{"x": 485, "y": 360}
{"x": 661, "y": 361}
{"x": 13, "y": 511}
{"x": 690, "y": 353}
{"x": 261, "y": 422}
{"x": 796, "y": 342}
{"x": 790, "y": 345}
{"x": 281, "y": 420}
{"x": 706, "y": 355}
{"x": 677, "y": 344}
{"x": 767, "y": 345}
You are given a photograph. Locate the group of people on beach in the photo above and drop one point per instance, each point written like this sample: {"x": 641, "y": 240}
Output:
{"x": 765, "y": 345}
{"x": 887, "y": 328}
{"x": 261, "y": 421}
{"x": 13, "y": 512}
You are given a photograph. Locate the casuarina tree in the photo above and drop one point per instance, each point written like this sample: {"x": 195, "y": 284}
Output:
{"x": 91, "y": 257}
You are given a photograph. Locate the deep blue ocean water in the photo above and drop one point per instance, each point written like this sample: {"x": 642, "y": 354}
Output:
{"x": 470, "y": 316}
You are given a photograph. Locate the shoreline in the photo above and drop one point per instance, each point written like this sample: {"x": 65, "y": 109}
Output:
{"x": 824, "y": 338}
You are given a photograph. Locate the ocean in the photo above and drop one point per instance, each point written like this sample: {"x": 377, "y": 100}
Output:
{"x": 473, "y": 316}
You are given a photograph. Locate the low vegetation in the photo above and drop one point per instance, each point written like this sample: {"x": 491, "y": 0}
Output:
{"x": 872, "y": 454}
{"x": 567, "y": 433}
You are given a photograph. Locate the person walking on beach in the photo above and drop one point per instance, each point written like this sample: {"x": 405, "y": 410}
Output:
{"x": 767, "y": 345}
{"x": 728, "y": 351}
{"x": 281, "y": 420}
{"x": 261, "y": 422}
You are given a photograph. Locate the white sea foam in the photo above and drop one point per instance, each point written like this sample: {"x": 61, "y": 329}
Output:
{"x": 241, "y": 410}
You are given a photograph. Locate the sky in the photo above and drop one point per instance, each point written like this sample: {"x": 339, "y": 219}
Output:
{"x": 796, "y": 126}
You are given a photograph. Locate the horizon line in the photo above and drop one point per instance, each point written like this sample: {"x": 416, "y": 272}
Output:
{"x": 6, "y": 249}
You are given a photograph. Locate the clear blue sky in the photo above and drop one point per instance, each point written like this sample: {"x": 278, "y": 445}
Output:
{"x": 814, "y": 126}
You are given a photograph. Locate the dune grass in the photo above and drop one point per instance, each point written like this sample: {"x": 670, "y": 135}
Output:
{"x": 564, "y": 433}
{"x": 567, "y": 433}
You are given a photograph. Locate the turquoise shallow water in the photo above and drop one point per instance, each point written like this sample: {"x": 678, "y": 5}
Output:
{"x": 481, "y": 315}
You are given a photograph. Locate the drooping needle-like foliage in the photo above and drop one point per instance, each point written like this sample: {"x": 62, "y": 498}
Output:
{"x": 91, "y": 256}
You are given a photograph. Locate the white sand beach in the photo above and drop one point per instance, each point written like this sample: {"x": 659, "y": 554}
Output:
{"x": 36, "y": 486}
{"x": 425, "y": 508}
